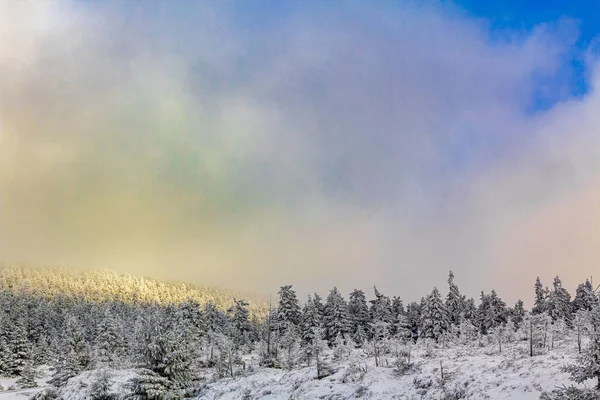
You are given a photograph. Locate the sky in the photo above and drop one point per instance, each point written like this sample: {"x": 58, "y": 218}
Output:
{"x": 255, "y": 144}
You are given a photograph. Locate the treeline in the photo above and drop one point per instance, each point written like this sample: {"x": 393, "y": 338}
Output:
{"x": 172, "y": 341}
{"x": 105, "y": 285}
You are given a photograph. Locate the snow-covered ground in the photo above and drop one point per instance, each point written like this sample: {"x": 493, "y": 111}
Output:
{"x": 470, "y": 372}
{"x": 11, "y": 391}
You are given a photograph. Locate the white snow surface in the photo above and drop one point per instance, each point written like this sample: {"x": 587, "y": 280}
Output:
{"x": 476, "y": 372}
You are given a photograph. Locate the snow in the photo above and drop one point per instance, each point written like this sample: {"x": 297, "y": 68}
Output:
{"x": 471, "y": 371}
{"x": 43, "y": 374}
{"x": 476, "y": 373}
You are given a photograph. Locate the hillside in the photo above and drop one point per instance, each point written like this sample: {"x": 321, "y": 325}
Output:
{"x": 99, "y": 285}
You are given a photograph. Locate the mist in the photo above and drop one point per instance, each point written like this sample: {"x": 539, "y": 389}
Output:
{"x": 351, "y": 146}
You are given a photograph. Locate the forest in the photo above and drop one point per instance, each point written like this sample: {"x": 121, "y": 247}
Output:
{"x": 175, "y": 336}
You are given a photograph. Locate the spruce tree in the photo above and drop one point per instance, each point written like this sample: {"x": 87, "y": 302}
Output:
{"x": 336, "y": 320}
{"x": 289, "y": 309}
{"x": 588, "y": 363}
{"x": 27, "y": 378}
{"x": 310, "y": 320}
{"x": 434, "y": 317}
{"x": 19, "y": 348}
{"x": 359, "y": 315}
{"x": 539, "y": 305}
{"x": 518, "y": 314}
{"x": 559, "y": 302}
{"x": 100, "y": 388}
{"x": 454, "y": 302}
{"x": 413, "y": 316}
{"x": 585, "y": 299}
{"x": 381, "y": 308}
{"x": 110, "y": 340}
{"x": 240, "y": 322}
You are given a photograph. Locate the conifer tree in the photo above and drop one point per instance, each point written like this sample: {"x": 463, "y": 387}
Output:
{"x": 413, "y": 316}
{"x": 110, "y": 340}
{"x": 289, "y": 344}
{"x": 539, "y": 305}
{"x": 381, "y": 308}
{"x": 585, "y": 299}
{"x": 100, "y": 388}
{"x": 19, "y": 348}
{"x": 310, "y": 320}
{"x": 454, "y": 302}
{"x": 588, "y": 363}
{"x": 336, "y": 320}
{"x": 27, "y": 378}
{"x": 518, "y": 314}
{"x": 289, "y": 309}
{"x": 434, "y": 317}
{"x": 559, "y": 302}
{"x": 240, "y": 322}
{"x": 149, "y": 385}
{"x": 359, "y": 315}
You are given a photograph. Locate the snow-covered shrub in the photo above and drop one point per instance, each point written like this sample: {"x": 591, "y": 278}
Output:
{"x": 571, "y": 393}
{"x": 46, "y": 394}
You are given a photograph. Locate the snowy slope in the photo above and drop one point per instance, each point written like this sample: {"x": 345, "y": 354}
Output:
{"x": 472, "y": 373}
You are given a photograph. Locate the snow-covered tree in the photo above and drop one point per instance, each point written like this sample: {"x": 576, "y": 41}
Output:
{"x": 381, "y": 308}
{"x": 110, "y": 346}
{"x": 585, "y": 299}
{"x": 240, "y": 322}
{"x": 434, "y": 317}
{"x": 413, "y": 316}
{"x": 539, "y": 305}
{"x": 289, "y": 345}
{"x": 558, "y": 303}
{"x": 454, "y": 301}
{"x": 359, "y": 315}
{"x": 336, "y": 320}
{"x": 319, "y": 349}
{"x": 149, "y": 385}
{"x": 27, "y": 378}
{"x": 588, "y": 363}
{"x": 309, "y": 321}
{"x": 101, "y": 387}
{"x": 517, "y": 314}
{"x": 289, "y": 308}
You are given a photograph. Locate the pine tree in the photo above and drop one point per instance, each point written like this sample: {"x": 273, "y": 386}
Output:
{"x": 381, "y": 308}
{"x": 336, "y": 320}
{"x": 289, "y": 309}
{"x": 470, "y": 310}
{"x": 559, "y": 302}
{"x": 588, "y": 363}
{"x": 413, "y": 316}
{"x": 454, "y": 302}
{"x": 289, "y": 344}
{"x": 539, "y": 305}
{"x": 319, "y": 348}
{"x": 77, "y": 354}
{"x": 310, "y": 320}
{"x": 434, "y": 317}
{"x": 100, "y": 388}
{"x": 149, "y": 385}
{"x": 359, "y": 315}
{"x": 19, "y": 348}
{"x": 585, "y": 299}
{"x": 109, "y": 343}
{"x": 518, "y": 314}
{"x": 27, "y": 378}
{"x": 240, "y": 322}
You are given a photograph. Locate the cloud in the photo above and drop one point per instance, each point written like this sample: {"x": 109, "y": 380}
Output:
{"x": 351, "y": 147}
